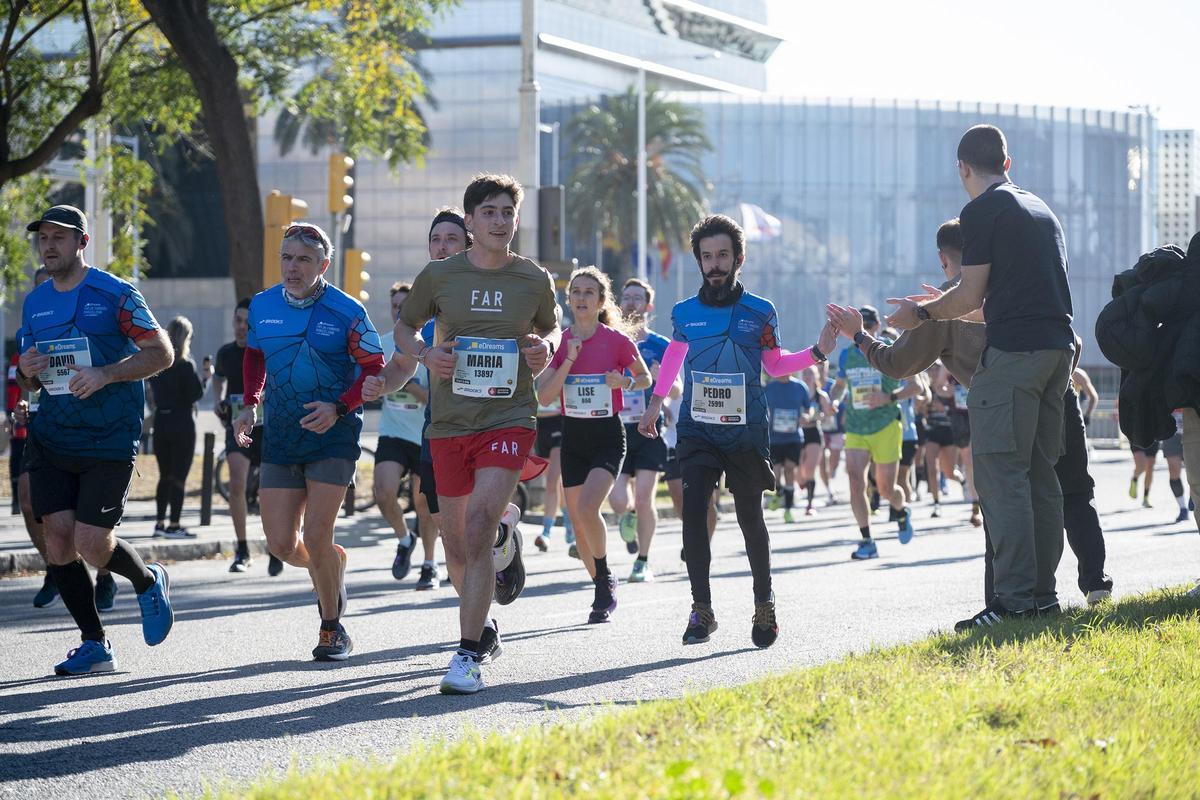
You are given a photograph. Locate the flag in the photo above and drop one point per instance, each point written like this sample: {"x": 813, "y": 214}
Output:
{"x": 664, "y": 257}
{"x": 758, "y": 224}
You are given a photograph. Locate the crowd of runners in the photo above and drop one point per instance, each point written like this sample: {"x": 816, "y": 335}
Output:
{"x": 485, "y": 380}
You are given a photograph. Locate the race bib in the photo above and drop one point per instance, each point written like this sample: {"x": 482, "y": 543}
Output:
{"x": 633, "y": 405}
{"x": 586, "y": 397}
{"x": 719, "y": 398}
{"x": 401, "y": 400}
{"x": 864, "y": 382}
{"x": 785, "y": 420}
{"x": 485, "y": 367}
{"x": 237, "y": 404}
{"x": 64, "y": 354}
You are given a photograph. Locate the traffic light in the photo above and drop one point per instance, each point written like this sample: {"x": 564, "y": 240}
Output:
{"x": 282, "y": 210}
{"x": 356, "y": 275}
{"x": 340, "y": 183}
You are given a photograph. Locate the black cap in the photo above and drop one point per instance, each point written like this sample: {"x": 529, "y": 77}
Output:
{"x": 870, "y": 315}
{"x": 66, "y": 216}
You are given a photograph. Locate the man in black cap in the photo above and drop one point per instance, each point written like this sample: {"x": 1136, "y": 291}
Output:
{"x": 91, "y": 340}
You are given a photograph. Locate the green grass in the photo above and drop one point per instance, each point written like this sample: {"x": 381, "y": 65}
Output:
{"x": 1092, "y": 704}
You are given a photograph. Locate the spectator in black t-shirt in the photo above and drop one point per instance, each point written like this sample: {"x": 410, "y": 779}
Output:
{"x": 173, "y": 395}
{"x": 1014, "y": 257}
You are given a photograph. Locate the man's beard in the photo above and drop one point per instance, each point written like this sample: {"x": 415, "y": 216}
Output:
{"x": 723, "y": 294}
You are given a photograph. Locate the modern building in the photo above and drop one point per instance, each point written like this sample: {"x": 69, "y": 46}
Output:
{"x": 1178, "y": 186}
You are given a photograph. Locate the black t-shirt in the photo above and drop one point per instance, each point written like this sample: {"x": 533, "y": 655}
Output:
{"x": 1028, "y": 300}
{"x": 176, "y": 390}
{"x": 229, "y": 367}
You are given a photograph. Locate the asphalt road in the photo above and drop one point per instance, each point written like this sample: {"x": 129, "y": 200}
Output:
{"x": 232, "y": 693}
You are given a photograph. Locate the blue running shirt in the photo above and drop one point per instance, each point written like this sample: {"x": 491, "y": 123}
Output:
{"x": 787, "y": 402}
{"x": 111, "y": 315}
{"x": 651, "y": 349}
{"x": 725, "y": 346}
{"x": 311, "y": 354}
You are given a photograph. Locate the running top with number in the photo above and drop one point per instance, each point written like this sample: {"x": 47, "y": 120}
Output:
{"x": 228, "y": 366}
{"x": 651, "y": 347}
{"x": 584, "y": 394}
{"x": 487, "y": 312}
{"x": 722, "y": 376}
{"x": 402, "y": 415}
{"x": 312, "y": 354}
{"x": 861, "y": 381}
{"x": 787, "y": 402}
{"x": 94, "y": 324}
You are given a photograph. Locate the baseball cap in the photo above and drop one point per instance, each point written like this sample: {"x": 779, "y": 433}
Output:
{"x": 66, "y": 216}
{"x": 870, "y": 315}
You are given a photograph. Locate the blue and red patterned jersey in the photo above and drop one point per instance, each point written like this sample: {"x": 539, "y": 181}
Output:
{"x": 312, "y": 354}
{"x": 111, "y": 315}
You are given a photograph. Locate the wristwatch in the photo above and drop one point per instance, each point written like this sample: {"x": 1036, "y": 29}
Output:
{"x": 923, "y": 314}
{"x": 341, "y": 409}
{"x": 860, "y": 337}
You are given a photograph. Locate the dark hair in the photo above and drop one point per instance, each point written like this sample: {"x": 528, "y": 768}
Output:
{"x": 644, "y": 287}
{"x": 483, "y": 187}
{"x": 400, "y": 286}
{"x": 243, "y": 303}
{"x": 949, "y": 236}
{"x": 983, "y": 148}
{"x": 450, "y": 214}
{"x": 715, "y": 225}
{"x": 40, "y": 271}
{"x": 609, "y": 314}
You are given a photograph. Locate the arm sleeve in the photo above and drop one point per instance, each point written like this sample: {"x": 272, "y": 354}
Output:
{"x": 913, "y": 352}
{"x": 419, "y": 307}
{"x": 134, "y": 317}
{"x": 780, "y": 362}
{"x": 364, "y": 345}
{"x": 672, "y": 361}
{"x": 254, "y": 375}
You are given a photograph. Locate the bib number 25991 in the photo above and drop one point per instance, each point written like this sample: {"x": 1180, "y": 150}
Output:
{"x": 719, "y": 398}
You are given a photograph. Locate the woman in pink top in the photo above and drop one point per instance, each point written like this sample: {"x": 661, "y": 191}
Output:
{"x": 587, "y": 375}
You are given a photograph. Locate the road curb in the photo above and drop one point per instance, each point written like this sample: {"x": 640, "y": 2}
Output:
{"x": 31, "y": 560}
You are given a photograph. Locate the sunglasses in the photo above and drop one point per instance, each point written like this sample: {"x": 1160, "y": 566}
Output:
{"x": 309, "y": 234}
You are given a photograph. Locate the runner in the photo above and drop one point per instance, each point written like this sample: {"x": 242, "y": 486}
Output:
{"x": 646, "y": 458}
{"x": 1085, "y": 389}
{"x": 587, "y": 373}
{"x": 833, "y": 432}
{"x": 1172, "y": 450}
{"x": 491, "y": 307}
{"x": 398, "y": 454}
{"x": 549, "y": 446}
{"x": 908, "y": 446}
{"x": 873, "y": 434}
{"x": 941, "y": 453}
{"x": 173, "y": 394}
{"x": 229, "y": 400}
{"x": 814, "y": 442}
{"x": 91, "y": 340}
{"x": 960, "y": 424}
{"x": 788, "y": 402}
{"x": 725, "y": 336}
{"x": 674, "y": 481}
{"x": 1144, "y": 459}
{"x": 306, "y": 342}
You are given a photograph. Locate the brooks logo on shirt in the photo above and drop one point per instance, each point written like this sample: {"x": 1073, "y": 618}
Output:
{"x": 270, "y": 322}
{"x": 492, "y": 301}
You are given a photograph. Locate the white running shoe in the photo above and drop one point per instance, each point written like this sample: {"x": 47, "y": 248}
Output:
{"x": 1097, "y": 596}
{"x": 463, "y": 676}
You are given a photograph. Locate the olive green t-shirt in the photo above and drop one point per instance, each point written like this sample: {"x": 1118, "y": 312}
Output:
{"x": 486, "y": 311}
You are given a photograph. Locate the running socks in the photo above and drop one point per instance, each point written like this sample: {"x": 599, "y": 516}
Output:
{"x": 469, "y": 647}
{"x": 865, "y": 530}
{"x": 126, "y": 562}
{"x": 643, "y": 559}
{"x": 902, "y": 517}
{"x": 79, "y": 596}
{"x": 1177, "y": 490}
{"x": 809, "y": 489}
{"x": 601, "y": 567}
{"x": 547, "y": 524}
{"x": 789, "y": 496}
{"x": 329, "y": 625}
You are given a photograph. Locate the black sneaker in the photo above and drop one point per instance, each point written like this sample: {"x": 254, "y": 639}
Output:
{"x": 333, "y": 645}
{"x": 489, "y": 644}
{"x": 1051, "y": 610}
{"x": 764, "y": 630}
{"x": 46, "y": 595}
{"x": 606, "y": 600}
{"x": 429, "y": 579}
{"x": 106, "y": 593}
{"x": 701, "y": 624}
{"x": 994, "y": 614}
{"x": 241, "y": 562}
{"x": 274, "y": 567}
{"x": 403, "y": 560}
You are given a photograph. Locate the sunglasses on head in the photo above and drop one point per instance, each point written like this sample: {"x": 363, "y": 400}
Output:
{"x": 310, "y": 234}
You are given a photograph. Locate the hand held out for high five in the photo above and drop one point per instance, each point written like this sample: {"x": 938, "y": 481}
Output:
{"x": 648, "y": 426}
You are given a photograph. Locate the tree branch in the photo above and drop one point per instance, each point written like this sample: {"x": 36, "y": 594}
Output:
{"x": 125, "y": 40}
{"x": 88, "y": 105}
{"x": 266, "y": 12}
{"x": 9, "y": 53}
{"x": 93, "y": 48}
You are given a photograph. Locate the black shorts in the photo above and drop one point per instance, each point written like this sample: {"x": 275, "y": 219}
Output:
{"x": 908, "y": 451}
{"x": 941, "y": 434}
{"x": 960, "y": 424}
{"x": 788, "y": 451}
{"x": 589, "y": 444}
{"x": 812, "y": 436}
{"x": 253, "y": 452}
{"x": 549, "y": 435}
{"x": 94, "y": 488}
{"x": 642, "y": 453}
{"x": 16, "y": 464}
{"x": 405, "y": 453}
{"x": 428, "y": 485}
{"x": 922, "y": 429}
{"x": 671, "y": 469}
{"x": 1149, "y": 452}
{"x": 746, "y": 471}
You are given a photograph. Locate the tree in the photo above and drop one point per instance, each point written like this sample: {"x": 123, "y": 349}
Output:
{"x": 602, "y": 191}
{"x": 251, "y": 52}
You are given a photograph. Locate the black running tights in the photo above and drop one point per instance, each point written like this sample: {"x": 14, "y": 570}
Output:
{"x": 173, "y": 450}
{"x": 699, "y": 482}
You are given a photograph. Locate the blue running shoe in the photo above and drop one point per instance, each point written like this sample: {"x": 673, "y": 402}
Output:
{"x": 89, "y": 657}
{"x": 904, "y": 527}
{"x": 865, "y": 550}
{"x": 157, "y": 616}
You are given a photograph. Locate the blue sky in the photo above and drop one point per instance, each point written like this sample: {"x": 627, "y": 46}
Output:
{"x": 1048, "y": 52}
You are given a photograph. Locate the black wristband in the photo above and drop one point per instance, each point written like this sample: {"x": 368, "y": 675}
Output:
{"x": 923, "y": 314}
{"x": 860, "y": 337}
{"x": 818, "y": 355}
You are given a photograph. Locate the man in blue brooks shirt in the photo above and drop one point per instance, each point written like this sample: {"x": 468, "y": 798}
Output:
{"x": 312, "y": 346}
{"x": 726, "y": 336}
{"x": 92, "y": 339}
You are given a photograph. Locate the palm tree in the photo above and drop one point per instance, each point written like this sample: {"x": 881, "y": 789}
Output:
{"x": 602, "y": 191}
